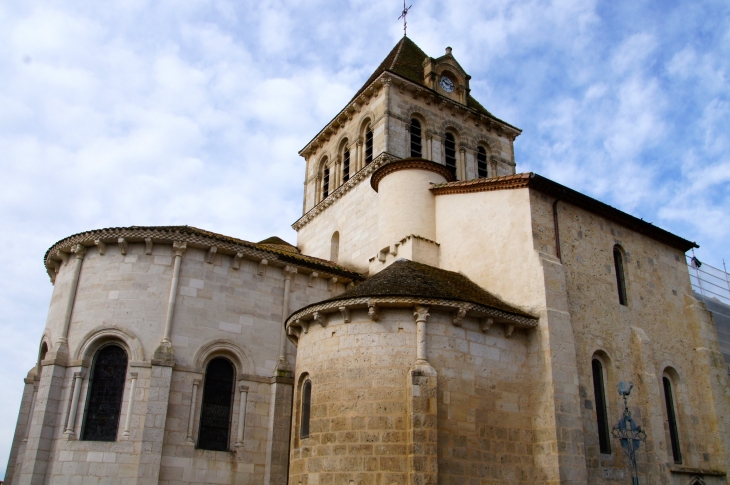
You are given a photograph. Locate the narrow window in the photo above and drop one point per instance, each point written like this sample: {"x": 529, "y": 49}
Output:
{"x": 335, "y": 247}
{"x": 369, "y": 146}
{"x": 346, "y": 166}
{"x": 106, "y": 389}
{"x": 450, "y": 148}
{"x": 601, "y": 414}
{"x": 672, "y": 417}
{"x": 481, "y": 162}
{"x": 415, "y": 138}
{"x": 326, "y": 183}
{"x": 618, "y": 262}
{"x": 306, "y": 409}
{"x": 215, "y": 414}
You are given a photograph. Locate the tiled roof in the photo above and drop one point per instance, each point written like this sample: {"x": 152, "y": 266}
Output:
{"x": 406, "y": 278}
{"x": 568, "y": 195}
{"x": 201, "y": 238}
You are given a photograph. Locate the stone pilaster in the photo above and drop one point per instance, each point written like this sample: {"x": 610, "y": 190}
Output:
{"x": 43, "y": 421}
{"x": 153, "y": 433}
{"x": 277, "y": 445}
{"x": 17, "y": 449}
{"x": 422, "y": 408}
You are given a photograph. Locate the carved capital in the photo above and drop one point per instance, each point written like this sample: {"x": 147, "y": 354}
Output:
{"x": 289, "y": 271}
{"x": 179, "y": 248}
{"x": 243, "y": 388}
{"x": 80, "y": 251}
{"x": 420, "y": 313}
{"x": 132, "y": 375}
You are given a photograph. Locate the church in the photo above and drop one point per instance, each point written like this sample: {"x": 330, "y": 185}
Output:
{"x": 442, "y": 319}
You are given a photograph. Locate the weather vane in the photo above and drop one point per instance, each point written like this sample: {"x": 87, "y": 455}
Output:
{"x": 403, "y": 16}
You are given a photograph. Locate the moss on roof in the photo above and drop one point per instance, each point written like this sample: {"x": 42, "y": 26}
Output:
{"x": 406, "y": 278}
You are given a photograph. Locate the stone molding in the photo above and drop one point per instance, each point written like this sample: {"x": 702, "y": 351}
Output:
{"x": 241, "y": 357}
{"x": 101, "y": 335}
{"x": 301, "y": 319}
{"x": 192, "y": 238}
{"x": 382, "y": 159}
{"x": 410, "y": 164}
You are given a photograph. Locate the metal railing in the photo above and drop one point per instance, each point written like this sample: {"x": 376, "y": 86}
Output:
{"x": 708, "y": 281}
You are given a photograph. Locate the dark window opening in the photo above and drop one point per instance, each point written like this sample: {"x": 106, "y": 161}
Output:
{"x": 346, "y": 166}
{"x": 601, "y": 414}
{"x": 618, "y": 262}
{"x": 672, "y": 418}
{"x": 326, "y": 183}
{"x": 450, "y": 149}
{"x": 215, "y": 414}
{"x": 106, "y": 389}
{"x": 306, "y": 409}
{"x": 368, "y": 146}
{"x": 416, "y": 138}
{"x": 481, "y": 162}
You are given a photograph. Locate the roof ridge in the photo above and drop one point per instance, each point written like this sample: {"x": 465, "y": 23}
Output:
{"x": 400, "y": 49}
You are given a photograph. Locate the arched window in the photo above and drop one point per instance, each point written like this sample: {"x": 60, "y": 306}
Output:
{"x": 335, "y": 247}
{"x": 306, "y": 409}
{"x": 106, "y": 388}
{"x": 215, "y": 414}
{"x": 450, "y": 150}
{"x": 368, "y": 145}
{"x": 416, "y": 138}
{"x": 326, "y": 183}
{"x": 618, "y": 262}
{"x": 599, "y": 392}
{"x": 672, "y": 418}
{"x": 346, "y": 165}
{"x": 481, "y": 162}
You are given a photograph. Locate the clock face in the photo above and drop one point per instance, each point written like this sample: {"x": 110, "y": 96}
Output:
{"x": 446, "y": 84}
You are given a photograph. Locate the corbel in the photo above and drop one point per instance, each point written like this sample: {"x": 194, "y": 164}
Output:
{"x": 312, "y": 276}
{"x": 350, "y": 285}
{"x": 459, "y": 317}
{"x": 102, "y": 247}
{"x": 56, "y": 266}
{"x": 508, "y": 330}
{"x": 319, "y": 318}
{"x": 332, "y": 283}
{"x": 211, "y": 254}
{"x": 123, "y": 245}
{"x": 485, "y": 324}
{"x": 394, "y": 249}
{"x": 373, "y": 311}
{"x": 262, "y": 266}
{"x": 148, "y": 245}
{"x": 237, "y": 260}
{"x": 441, "y": 105}
{"x": 304, "y": 325}
{"x": 63, "y": 257}
{"x": 345, "y": 314}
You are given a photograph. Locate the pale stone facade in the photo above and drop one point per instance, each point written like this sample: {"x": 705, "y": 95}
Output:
{"x": 430, "y": 326}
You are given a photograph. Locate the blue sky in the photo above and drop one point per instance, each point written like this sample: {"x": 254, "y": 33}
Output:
{"x": 192, "y": 112}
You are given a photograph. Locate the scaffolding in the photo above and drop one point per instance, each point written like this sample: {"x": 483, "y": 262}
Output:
{"x": 712, "y": 287}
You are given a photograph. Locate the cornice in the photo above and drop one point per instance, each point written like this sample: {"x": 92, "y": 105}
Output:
{"x": 195, "y": 238}
{"x": 410, "y": 164}
{"x": 359, "y": 176}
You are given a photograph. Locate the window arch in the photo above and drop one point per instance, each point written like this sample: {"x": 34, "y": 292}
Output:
{"x": 450, "y": 150}
{"x": 618, "y": 262}
{"x": 215, "y": 413}
{"x": 599, "y": 393}
{"x": 335, "y": 247}
{"x": 481, "y": 162}
{"x": 669, "y": 402}
{"x": 325, "y": 182}
{"x": 416, "y": 134}
{"x": 306, "y": 409}
{"x": 368, "y": 144}
{"x": 104, "y": 403}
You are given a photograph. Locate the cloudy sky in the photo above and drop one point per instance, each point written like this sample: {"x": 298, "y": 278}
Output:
{"x": 191, "y": 112}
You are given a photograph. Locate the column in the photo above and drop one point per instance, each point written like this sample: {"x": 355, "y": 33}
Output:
{"x": 429, "y": 146}
{"x": 243, "y": 390}
{"x": 387, "y": 81}
{"x": 283, "y": 367}
{"x": 421, "y": 315}
{"x": 80, "y": 252}
{"x": 193, "y": 404}
{"x": 359, "y": 154}
{"x": 22, "y": 426}
{"x": 164, "y": 354}
{"x": 277, "y": 445}
{"x": 130, "y": 404}
{"x": 71, "y": 424}
{"x": 462, "y": 164}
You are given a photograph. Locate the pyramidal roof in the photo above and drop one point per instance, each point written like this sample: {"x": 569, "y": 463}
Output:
{"x": 406, "y": 60}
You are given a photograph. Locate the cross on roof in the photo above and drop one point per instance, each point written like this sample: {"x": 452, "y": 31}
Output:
{"x": 403, "y": 16}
